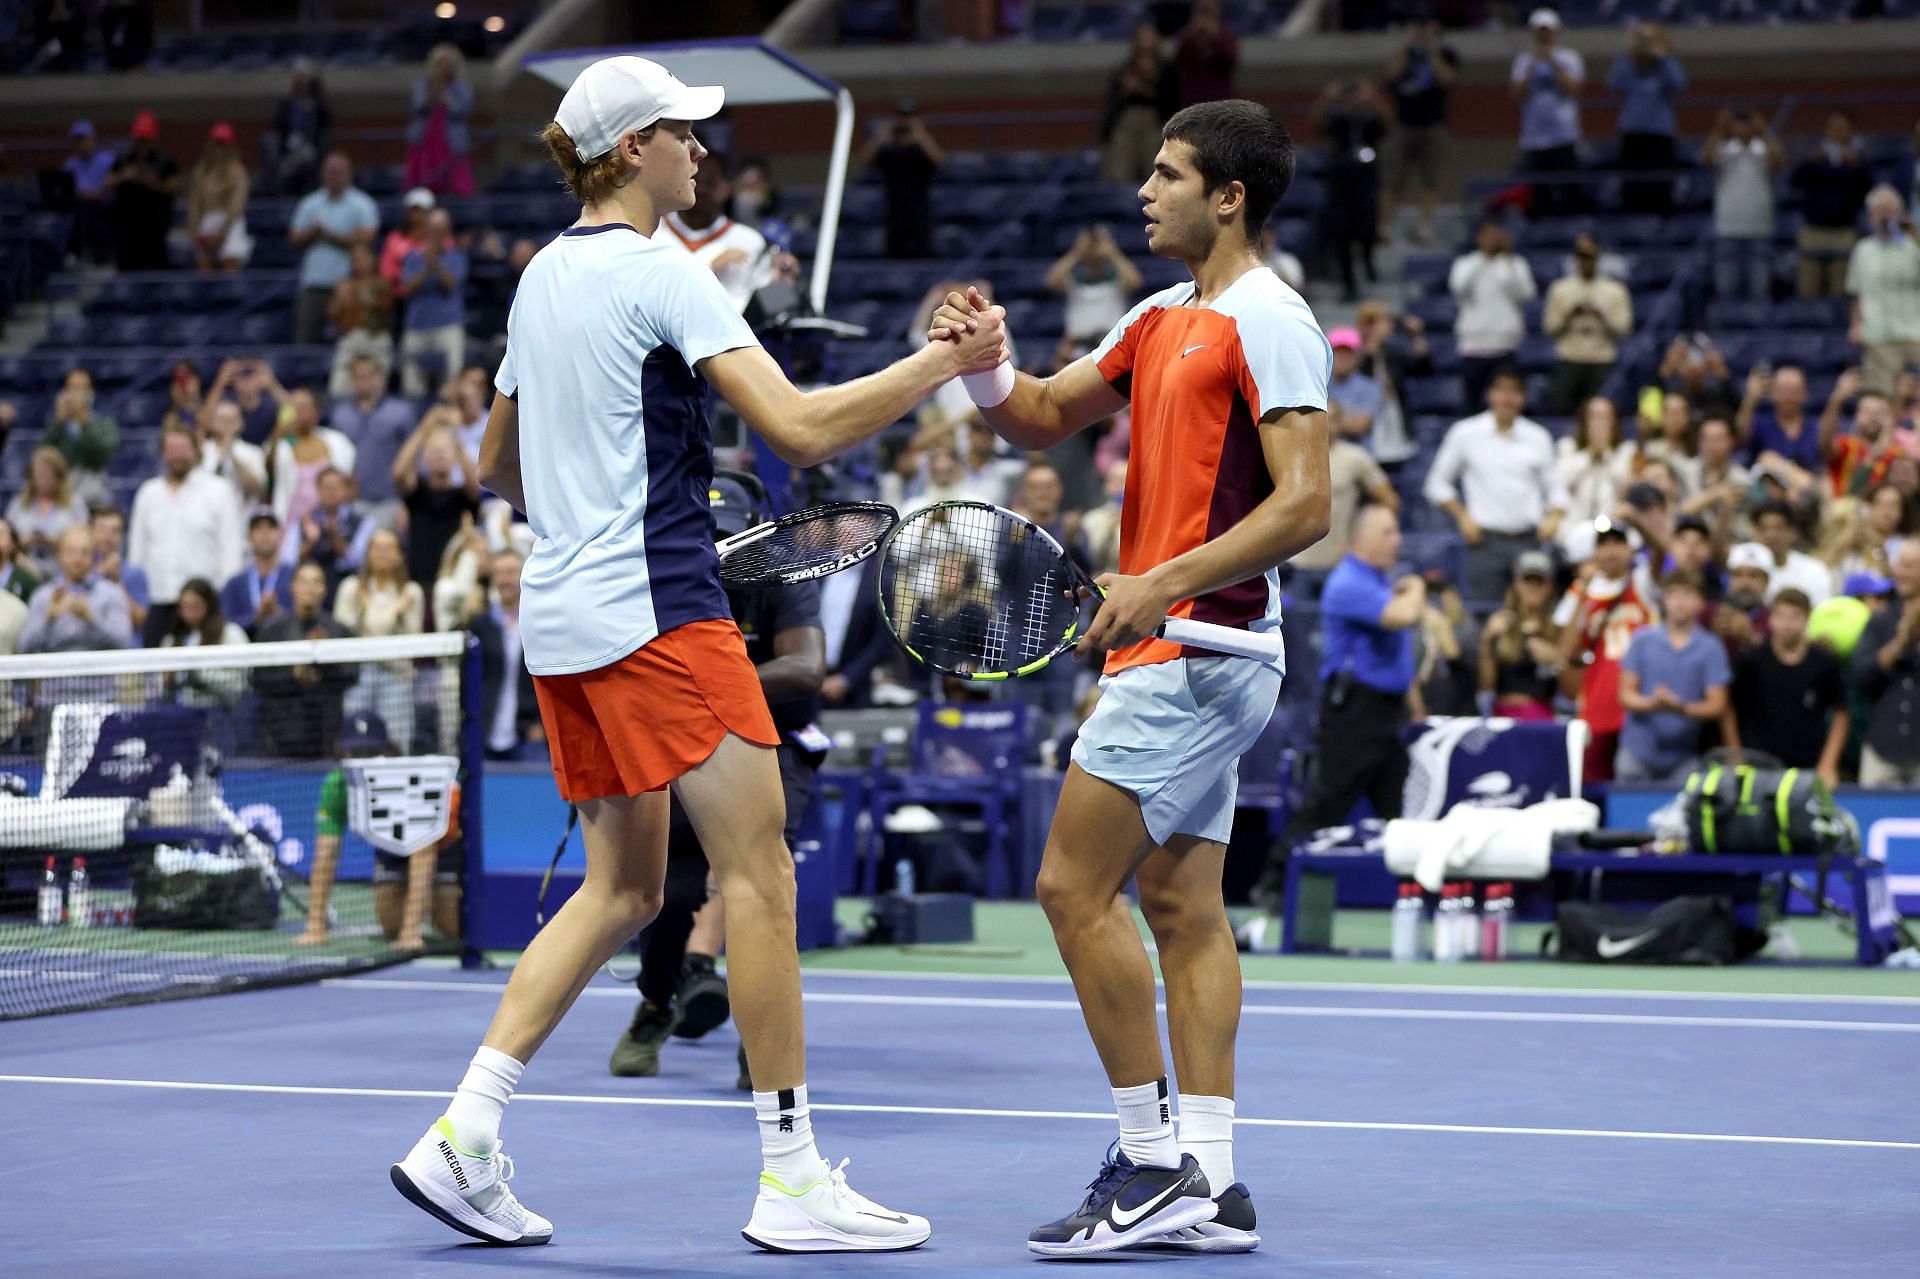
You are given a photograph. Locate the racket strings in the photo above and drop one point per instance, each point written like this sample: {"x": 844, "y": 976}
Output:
{"x": 975, "y": 591}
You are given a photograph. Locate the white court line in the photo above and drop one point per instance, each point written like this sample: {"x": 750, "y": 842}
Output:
{"x": 965, "y": 1112}
{"x": 1251, "y": 1010}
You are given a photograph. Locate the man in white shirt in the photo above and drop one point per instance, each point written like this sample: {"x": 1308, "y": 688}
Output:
{"x": 1492, "y": 285}
{"x": 739, "y": 256}
{"x": 1774, "y": 531}
{"x": 185, "y": 524}
{"x": 1495, "y": 476}
{"x": 1883, "y": 277}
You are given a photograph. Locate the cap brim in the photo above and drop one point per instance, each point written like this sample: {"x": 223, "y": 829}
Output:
{"x": 699, "y": 102}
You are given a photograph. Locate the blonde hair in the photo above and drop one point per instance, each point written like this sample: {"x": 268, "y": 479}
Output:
{"x": 448, "y": 53}
{"x": 588, "y": 181}
{"x": 1840, "y": 526}
{"x": 63, "y": 488}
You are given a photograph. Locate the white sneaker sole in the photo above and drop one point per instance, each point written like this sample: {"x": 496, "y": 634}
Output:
{"x": 1152, "y": 1228}
{"x": 1197, "y": 1239}
{"x": 824, "y": 1238}
{"x": 450, "y": 1208}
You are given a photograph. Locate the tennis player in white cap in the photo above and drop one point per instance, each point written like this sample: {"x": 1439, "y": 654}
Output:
{"x": 599, "y": 433}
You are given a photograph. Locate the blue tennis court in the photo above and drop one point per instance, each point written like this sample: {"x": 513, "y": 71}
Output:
{"x": 1383, "y": 1131}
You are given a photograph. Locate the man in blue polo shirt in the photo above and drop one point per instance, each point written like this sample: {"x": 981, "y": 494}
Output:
{"x": 1365, "y": 672}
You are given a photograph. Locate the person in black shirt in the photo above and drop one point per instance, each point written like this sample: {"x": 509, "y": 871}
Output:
{"x": 1420, "y": 77}
{"x": 680, "y": 993}
{"x": 906, "y": 157}
{"x": 439, "y": 482}
{"x": 1789, "y": 696}
{"x": 1886, "y": 668}
{"x": 1520, "y": 666}
{"x": 144, "y": 183}
{"x": 1350, "y": 116}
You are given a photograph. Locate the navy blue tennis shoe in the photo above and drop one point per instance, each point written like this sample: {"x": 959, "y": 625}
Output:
{"x": 1126, "y": 1205}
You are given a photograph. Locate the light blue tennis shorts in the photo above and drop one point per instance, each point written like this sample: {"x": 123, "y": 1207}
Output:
{"x": 1173, "y": 734}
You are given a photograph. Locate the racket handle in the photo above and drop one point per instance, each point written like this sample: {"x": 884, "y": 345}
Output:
{"x": 1225, "y": 639}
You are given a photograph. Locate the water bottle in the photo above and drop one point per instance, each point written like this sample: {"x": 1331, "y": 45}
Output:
{"x": 1468, "y": 922}
{"x": 1407, "y": 912}
{"x": 903, "y": 877}
{"x": 50, "y": 898}
{"x": 79, "y": 896}
{"x": 1446, "y": 931}
{"x": 1493, "y": 923}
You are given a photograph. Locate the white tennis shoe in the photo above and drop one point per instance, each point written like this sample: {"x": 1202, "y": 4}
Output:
{"x": 828, "y": 1216}
{"x": 467, "y": 1191}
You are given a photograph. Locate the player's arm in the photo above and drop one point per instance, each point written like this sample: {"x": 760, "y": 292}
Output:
{"x": 1292, "y": 518}
{"x": 500, "y": 453}
{"x": 798, "y": 667}
{"x": 808, "y": 427}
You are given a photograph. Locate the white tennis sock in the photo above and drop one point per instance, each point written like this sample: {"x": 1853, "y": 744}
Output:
{"x": 1206, "y": 1133}
{"x": 476, "y": 1108}
{"x": 1146, "y": 1125}
{"x": 786, "y": 1137}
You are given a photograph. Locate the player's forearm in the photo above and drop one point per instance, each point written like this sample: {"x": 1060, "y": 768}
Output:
{"x": 790, "y": 678}
{"x": 1028, "y": 419}
{"x": 834, "y": 419}
{"x": 1275, "y": 531}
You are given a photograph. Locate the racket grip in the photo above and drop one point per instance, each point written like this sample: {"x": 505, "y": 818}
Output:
{"x": 1224, "y": 639}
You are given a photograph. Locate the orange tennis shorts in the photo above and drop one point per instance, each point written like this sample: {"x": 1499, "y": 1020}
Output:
{"x": 655, "y": 714}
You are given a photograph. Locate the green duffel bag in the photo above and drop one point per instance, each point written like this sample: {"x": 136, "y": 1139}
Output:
{"x": 1747, "y": 802}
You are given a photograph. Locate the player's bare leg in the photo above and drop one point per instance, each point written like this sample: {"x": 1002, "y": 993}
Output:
{"x": 456, "y": 1171}
{"x": 737, "y": 808}
{"x": 1096, "y": 843}
{"x": 1146, "y": 1188}
{"x": 1180, "y": 896}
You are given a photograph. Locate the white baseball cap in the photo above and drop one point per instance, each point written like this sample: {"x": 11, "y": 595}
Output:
{"x": 615, "y": 96}
{"x": 1750, "y": 555}
{"x": 1544, "y": 18}
{"x": 419, "y": 198}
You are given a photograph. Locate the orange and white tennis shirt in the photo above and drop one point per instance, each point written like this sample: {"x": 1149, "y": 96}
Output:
{"x": 1200, "y": 380}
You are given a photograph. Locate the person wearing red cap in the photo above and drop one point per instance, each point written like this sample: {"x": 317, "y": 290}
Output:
{"x": 144, "y": 183}
{"x": 217, "y": 204}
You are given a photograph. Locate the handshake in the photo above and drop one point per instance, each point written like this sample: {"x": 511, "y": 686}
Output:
{"x": 978, "y": 331}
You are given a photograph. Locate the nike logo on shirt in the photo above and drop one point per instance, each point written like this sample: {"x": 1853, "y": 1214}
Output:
{"x": 1190, "y": 350}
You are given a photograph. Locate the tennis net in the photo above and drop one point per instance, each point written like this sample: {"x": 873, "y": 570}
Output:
{"x": 195, "y": 820}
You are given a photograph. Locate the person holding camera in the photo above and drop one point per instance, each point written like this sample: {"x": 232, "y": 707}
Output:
{"x": 1588, "y": 315}
{"x": 739, "y": 256}
{"x": 1833, "y": 182}
{"x": 1492, "y": 285}
{"x": 1546, "y": 81}
{"x": 906, "y": 157}
{"x": 1883, "y": 279}
{"x": 1096, "y": 279}
{"x": 1420, "y": 78}
{"x": 1744, "y": 156}
{"x": 1647, "y": 78}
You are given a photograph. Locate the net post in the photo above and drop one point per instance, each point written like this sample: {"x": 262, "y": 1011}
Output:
{"x": 473, "y": 759}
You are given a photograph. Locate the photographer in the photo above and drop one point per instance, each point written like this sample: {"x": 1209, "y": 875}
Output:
{"x": 1588, "y": 316}
{"x": 1492, "y": 284}
{"x": 679, "y": 991}
{"x": 1744, "y": 156}
{"x": 1420, "y": 77}
{"x": 1647, "y": 77}
{"x": 907, "y": 157}
{"x": 1883, "y": 279}
{"x": 1096, "y": 279}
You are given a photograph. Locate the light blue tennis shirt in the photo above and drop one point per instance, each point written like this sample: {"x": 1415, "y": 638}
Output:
{"x": 615, "y": 455}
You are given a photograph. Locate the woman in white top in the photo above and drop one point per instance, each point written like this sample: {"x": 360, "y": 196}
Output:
{"x": 301, "y": 450}
{"x": 196, "y": 622}
{"x": 1594, "y": 463}
{"x": 377, "y": 601}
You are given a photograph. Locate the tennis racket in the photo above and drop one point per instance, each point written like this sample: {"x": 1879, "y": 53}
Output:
{"x": 980, "y": 592}
{"x": 806, "y": 545}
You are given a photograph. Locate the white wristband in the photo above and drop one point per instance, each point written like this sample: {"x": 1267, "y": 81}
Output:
{"x": 992, "y": 388}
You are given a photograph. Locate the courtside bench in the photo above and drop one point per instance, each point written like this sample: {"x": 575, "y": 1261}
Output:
{"x": 1306, "y": 914}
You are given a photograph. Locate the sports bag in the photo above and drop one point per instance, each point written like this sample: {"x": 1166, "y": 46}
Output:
{"x": 1685, "y": 930}
{"x": 1746, "y": 802}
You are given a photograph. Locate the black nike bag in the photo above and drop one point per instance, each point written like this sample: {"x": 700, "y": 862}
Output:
{"x": 1685, "y": 930}
{"x": 1746, "y": 802}
{"x": 242, "y": 898}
